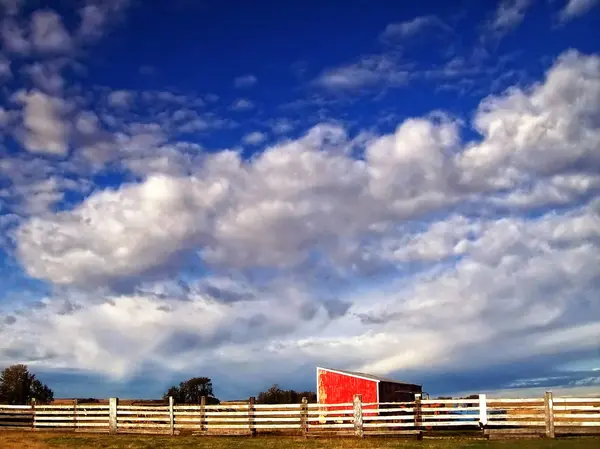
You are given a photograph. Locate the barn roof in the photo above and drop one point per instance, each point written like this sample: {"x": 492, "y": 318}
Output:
{"x": 366, "y": 376}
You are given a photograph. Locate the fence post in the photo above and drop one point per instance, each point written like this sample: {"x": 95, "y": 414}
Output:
{"x": 417, "y": 411}
{"x": 549, "y": 408}
{"x": 171, "y": 415}
{"x": 482, "y": 411}
{"x": 33, "y": 412}
{"x": 251, "y": 416}
{"x": 304, "y": 417}
{"x": 112, "y": 415}
{"x": 74, "y": 414}
{"x": 202, "y": 413}
{"x": 358, "y": 416}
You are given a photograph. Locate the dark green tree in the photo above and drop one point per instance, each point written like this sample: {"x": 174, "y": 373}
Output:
{"x": 18, "y": 387}
{"x": 275, "y": 395}
{"x": 192, "y": 390}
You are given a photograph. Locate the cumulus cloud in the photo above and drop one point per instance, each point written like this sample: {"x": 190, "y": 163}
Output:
{"x": 338, "y": 248}
{"x": 282, "y": 126}
{"x": 126, "y": 227}
{"x": 367, "y": 72}
{"x": 11, "y": 7}
{"x": 245, "y": 81}
{"x": 306, "y": 190}
{"x": 242, "y": 104}
{"x": 529, "y": 133}
{"x": 409, "y": 28}
{"x": 37, "y": 197}
{"x": 46, "y": 77}
{"x": 157, "y": 328}
{"x": 576, "y": 8}
{"x": 97, "y": 15}
{"x": 44, "y": 129}
{"x": 4, "y": 117}
{"x": 95, "y": 144}
{"x": 48, "y": 34}
{"x": 498, "y": 292}
{"x": 5, "y": 71}
{"x": 44, "y": 32}
{"x": 254, "y": 138}
{"x": 14, "y": 37}
{"x": 524, "y": 287}
{"x": 508, "y": 16}
{"x": 120, "y": 98}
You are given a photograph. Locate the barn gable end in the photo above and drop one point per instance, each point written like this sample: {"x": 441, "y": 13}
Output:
{"x": 339, "y": 386}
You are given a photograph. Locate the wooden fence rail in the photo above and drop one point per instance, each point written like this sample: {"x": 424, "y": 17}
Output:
{"x": 542, "y": 416}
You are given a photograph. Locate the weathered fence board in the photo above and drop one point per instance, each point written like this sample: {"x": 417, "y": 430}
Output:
{"x": 492, "y": 416}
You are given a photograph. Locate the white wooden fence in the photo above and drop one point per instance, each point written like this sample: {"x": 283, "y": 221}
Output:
{"x": 549, "y": 416}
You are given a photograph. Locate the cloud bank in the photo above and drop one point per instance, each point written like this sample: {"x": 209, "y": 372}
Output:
{"x": 333, "y": 247}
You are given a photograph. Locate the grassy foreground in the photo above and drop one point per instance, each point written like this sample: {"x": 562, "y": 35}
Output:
{"x": 35, "y": 440}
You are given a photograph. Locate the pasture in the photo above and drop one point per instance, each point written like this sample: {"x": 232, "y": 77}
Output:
{"x": 53, "y": 440}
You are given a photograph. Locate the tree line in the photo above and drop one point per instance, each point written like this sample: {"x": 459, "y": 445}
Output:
{"x": 18, "y": 386}
{"x": 276, "y": 395}
{"x": 192, "y": 390}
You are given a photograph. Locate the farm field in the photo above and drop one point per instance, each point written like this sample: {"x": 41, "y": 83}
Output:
{"x": 52, "y": 440}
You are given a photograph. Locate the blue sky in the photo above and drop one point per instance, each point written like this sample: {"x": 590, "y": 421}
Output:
{"x": 245, "y": 192}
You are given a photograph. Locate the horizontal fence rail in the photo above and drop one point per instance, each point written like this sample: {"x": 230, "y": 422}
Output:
{"x": 76, "y": 417}
{"x": 492, "y": 416}
{"x": 20, "y": 416}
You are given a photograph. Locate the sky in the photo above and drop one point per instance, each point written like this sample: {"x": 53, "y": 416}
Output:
{"x": 245, "y": 192}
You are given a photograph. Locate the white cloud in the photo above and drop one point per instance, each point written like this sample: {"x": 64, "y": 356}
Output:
{"x": 5, "y": 117}
{"x": 411, "y": 169}
{"x": 39, "y": 196}
{"x": 409, "y": 28}
{"x": 11, "y": 7}
{"x": 48, "y": 34}
{"x": 242, "y": 104}
{"x": 508, "y": 16}
{"x": 235, "y": 201}
{"x": 498, "y": 292}
{"x": 14, "y": 37}
{"x": 5, "y": 71}
{"x": 46, "y": 77}
{"x": 97, "y": 15}
{"x": 367, "y": 72}
{"x": 254, "y": 138}
{"x": 576, "y": 8}
{"x": 304, "y": 214}
{"x": 93, "y": 20}
{"x": 557, "y": 190}
{"x": 245, "y": 81}
{"x": 282, "y": 126}
{"x": 544, "y": 131}
{"x": 525, "y": 288}
{"x": 120, "y": 98}
{"x": 149, "y": 328}
{"x": 305, "y": 191}
{"x": 43, "y": 30}
{"x": 113, "y": 233}
{"x": 44, "y": 129}
{"x": 96, "y": 145}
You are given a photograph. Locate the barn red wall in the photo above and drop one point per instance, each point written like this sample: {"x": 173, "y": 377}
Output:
{"x": 337, "y": 388}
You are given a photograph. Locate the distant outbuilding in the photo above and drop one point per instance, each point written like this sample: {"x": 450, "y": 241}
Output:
{"x": 335, "y": 386}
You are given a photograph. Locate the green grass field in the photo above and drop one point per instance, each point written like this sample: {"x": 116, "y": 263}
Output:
{"x": 35, "y": 440}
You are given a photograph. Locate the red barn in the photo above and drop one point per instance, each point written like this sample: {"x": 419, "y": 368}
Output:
{"x": 339, "y": 386}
